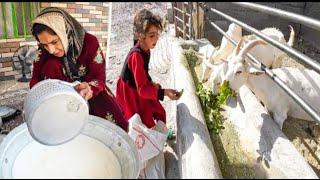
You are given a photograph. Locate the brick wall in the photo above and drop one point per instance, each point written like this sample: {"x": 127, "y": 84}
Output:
{"x": 92, "y": 15}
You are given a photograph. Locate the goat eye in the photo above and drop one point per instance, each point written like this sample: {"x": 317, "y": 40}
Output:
{"x": 238, "y": 72}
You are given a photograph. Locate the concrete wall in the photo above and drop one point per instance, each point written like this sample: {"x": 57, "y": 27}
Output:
{"x": 312, "y": 9}
{"x": 92, "y": 15}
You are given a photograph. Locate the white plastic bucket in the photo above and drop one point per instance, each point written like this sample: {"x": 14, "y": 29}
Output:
{"x": 97, "y": 128}
{"x": 55, "y": 112}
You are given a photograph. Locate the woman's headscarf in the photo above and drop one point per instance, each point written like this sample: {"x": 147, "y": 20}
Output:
{"x": 70, "y": 32}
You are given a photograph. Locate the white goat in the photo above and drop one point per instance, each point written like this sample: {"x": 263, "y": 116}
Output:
{"x": 220, "y": 69}
{"x": 270, "y": 55}
{"x": 265, "y": 53}
{"x": 225, "y": 49}
{"x": 205, "y": 52}
{"x": 270, "y": 59}
{"x": 304, "y": 82}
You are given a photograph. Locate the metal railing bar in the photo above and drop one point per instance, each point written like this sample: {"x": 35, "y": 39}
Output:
{"x": 310, "y": 22}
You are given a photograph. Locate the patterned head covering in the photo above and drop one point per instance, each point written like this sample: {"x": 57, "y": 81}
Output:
{"x": 70, "y": 32}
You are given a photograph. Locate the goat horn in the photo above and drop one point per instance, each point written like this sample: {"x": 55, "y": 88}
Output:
{"x": 222, "y": 61}
{"x": 291, "y": 38}
{"x": 239, "y": 45}
{"x": 212, "y": 66}
{"x": 249, "y": 46}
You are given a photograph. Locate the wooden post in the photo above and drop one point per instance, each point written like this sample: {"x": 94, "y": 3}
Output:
{"x": 174, "y": 4}
{"x": 184, "y": 20}
{"x": 198, "y": 20}
{"x": 195, "y": 20}
{"x": 190, "y": 21}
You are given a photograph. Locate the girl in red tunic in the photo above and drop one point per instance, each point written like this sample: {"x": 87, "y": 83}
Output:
{"x": 68, "y": 53}
{"x": 136, "y": 93}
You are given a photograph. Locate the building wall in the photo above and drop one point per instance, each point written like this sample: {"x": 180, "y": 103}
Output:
{"x": 312, "y": 10}
{"x": 92, "y": 15}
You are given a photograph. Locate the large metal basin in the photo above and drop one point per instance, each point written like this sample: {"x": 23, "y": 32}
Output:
{"x": 97, "y": 128}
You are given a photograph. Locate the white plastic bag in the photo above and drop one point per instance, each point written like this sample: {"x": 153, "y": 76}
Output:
{"x": 154, "y": 168}
{"x": 150, "y": 144}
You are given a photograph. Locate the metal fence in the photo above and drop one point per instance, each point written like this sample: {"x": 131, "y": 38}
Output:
{"x": 182, "y": 13}
{"x": 15, "y": 18}
{"x": 312, "y": 23}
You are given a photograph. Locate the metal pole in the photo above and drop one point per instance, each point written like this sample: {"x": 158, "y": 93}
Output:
{"x": 274, "y": 77}
{"x": 315, "y": 65}
{"x": 310, "y": 22}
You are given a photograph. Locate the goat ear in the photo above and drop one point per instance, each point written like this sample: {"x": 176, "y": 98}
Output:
{"x": 255, "y": 71}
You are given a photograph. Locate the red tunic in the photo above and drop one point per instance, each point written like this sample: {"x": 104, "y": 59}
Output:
{"x": 92, "y": 70}
{"x": 135, "y": 91}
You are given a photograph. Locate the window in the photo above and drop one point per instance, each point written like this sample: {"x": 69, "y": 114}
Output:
{"x": 16, "y": 17}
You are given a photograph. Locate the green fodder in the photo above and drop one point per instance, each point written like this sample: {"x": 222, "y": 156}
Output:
{"x": 191, "y": 58}
{"x": 212, "y": 105}
{"x": 232, "y": 160}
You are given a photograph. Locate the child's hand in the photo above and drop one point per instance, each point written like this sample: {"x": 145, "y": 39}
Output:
{"x": 172, "y": 94}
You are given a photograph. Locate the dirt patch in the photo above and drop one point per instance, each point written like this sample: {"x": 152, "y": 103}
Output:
{"x": 305, "y": 136}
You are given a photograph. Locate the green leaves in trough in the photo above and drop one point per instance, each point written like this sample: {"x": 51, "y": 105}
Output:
{"x": 212, "y": 105}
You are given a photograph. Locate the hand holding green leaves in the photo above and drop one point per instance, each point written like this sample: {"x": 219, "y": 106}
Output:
{"x": 179, "y": 94}
{"x": 171, "y": 93}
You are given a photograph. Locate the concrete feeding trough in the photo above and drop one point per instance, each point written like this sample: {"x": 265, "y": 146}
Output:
{"x": 196, "y": 155}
